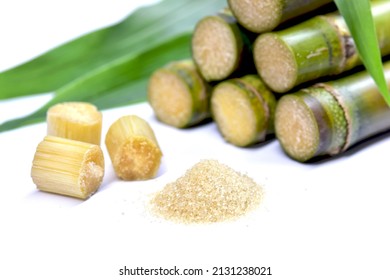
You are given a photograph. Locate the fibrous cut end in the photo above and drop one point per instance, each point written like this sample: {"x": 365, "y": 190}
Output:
{"x": 133, "y": 149}
{"x": 275, "y": 62}
{"x": 170, "y": 98}
{"x": 92, "y": 171}
{"x": 257, "y": 15}
{"x": 215, "y": 48}
{"x": 234, "y": 114}
{"x": 79, "y": 121}
{"x": 137, "y": 159}
{"x": 68, "y": 167}
{"x": 296, "y": 128}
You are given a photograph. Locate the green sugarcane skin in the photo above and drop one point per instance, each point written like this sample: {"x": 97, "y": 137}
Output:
{"x": 323, "y": 46}
{"x": 273, "y": 14}
{"x": 199, "y": 89}
{"x": 294, "y": 8}
{"x": 328, "y": 116}
{"x": 345, "y": 111}
{"x": 366, "y": 110}
{"x": 330, "y": 119}
{"x": 381, "y": 16}
{"x": 316, "y": 46}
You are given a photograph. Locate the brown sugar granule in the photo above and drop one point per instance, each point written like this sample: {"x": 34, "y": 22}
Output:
{"x": 208, "y": 192}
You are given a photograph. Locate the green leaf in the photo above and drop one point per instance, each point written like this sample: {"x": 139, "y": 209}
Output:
{"x": 118, "y": 83}
{"x": 109, "y": 67}
{"x": 145, "y": 28}
{"x": 358, "y": 16}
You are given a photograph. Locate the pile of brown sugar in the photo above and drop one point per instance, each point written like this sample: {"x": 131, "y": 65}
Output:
{"x": 208, "y": 192}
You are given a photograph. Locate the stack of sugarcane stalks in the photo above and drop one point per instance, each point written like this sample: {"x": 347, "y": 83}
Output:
{"x": 264, "y": 67}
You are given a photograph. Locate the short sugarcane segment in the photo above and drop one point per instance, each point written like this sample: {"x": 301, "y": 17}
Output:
{"x": 79, "y": 121}
{"x": 318, "y": 47}
{"x": 243, "y": 109}
{"x": 220, "y": 47}
{"x": 68, "y": 167}
{"x": 178, "y": 95}
{"x": 133, "y": 148}
{"x": 328, "y": 118}
{"x": 264, "y": 15}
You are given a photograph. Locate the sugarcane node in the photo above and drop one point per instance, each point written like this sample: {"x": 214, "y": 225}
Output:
{"x": 322, "y": 108}
{"x": 349, "y": 57}
{"x": 349, "y": 46}
{"x": 335, "y": 116}
{"x": 338, "y": 114}
{"x": 338, "y": 97}
{"x": 319, "y": 47}
{"x": 365, "y": 111}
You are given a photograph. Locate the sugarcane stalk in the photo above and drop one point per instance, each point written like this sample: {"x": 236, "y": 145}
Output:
{"x": 318, "y": 47}
{"x": 328, "y": 118}
{"x": 221, "y": 48}
{"x": 178, "y": 94}
{"x": 265, "y": 15}
{"x": 243, "y": 109}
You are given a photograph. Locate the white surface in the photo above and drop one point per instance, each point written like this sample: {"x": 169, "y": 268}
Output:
{"x": 327, "y": 220}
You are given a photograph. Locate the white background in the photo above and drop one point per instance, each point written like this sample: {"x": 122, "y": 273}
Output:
{"x": 325, "y": 220}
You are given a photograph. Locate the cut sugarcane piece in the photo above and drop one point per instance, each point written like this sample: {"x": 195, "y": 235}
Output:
{"x": 243, "y": 109}
{"x": 264, "y": 15}
{"x": 318, "y": 47}
{"x": 310, "y": 124}
{"x": 75, "y": 120}
{"x": 328, "y": 118}
{"x": 133, "y": 148}
{"x": 68, "y": 167}
{"x": 220, "y": 48}
{"x": 298, "y": 54}
{"x": 178, "y": 95}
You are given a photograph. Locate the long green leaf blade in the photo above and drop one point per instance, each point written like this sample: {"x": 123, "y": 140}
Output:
{"x": 358, "y": 16}
{"x": 118, "y": 83}
{"x": 145, "y": 28}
